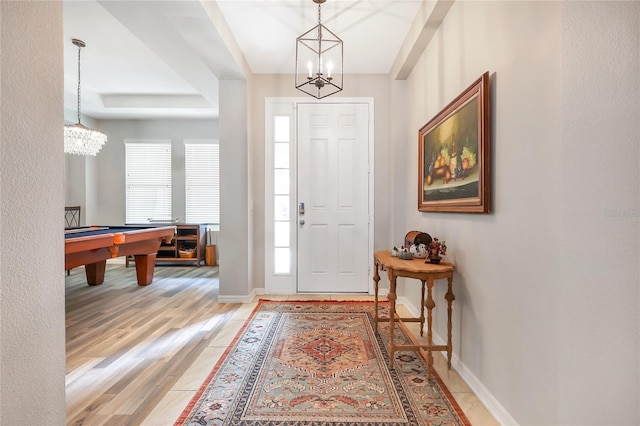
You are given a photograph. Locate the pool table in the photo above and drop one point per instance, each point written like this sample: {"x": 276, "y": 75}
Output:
{"x": 92, "y": 246}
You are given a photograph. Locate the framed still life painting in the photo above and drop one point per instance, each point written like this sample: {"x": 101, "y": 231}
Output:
{"x": 454, "y": 154}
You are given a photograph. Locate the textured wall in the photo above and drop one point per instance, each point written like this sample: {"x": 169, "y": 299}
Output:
{"x": 32, "y": 351}
{"x": 598, "y": 322}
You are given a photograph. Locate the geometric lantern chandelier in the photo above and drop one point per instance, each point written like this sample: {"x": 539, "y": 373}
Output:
{"x": 319, "y": 54}
{"x": 79, "y": 139}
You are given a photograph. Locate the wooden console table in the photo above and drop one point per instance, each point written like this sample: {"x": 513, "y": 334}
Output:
{"x": 426, "y": 273}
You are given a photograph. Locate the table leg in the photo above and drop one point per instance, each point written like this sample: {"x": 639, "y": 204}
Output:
{"x": 95, "y": 272}
{"x": 422, "y": 310}
{"x": 145, "y": 264}
{"x": 392, "y": 314}
{"x": 429, "y": 304}
{"x": 450, "y": 298}
{"x": 376, "y": 280}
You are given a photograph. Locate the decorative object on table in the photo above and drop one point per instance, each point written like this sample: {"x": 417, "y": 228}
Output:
{"x": 437, "y": 249}
{"x": 419, "y": 251}
{"x": 405, "y": 255}
{"x": 453, "y": 155}
{"x": 417, "y": 237}
{"x": 318, "y": 344}
{"x": 319, "y": 54}
{"x": 401, "y": 253}
{"x": 79, "y": 139}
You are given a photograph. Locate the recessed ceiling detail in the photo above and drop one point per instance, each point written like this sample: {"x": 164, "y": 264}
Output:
{"x": 157, "y": 59}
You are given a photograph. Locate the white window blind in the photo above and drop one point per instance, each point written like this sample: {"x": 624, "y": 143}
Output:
{"x": 202, "y": 182}
{"x": 148, "y": 181}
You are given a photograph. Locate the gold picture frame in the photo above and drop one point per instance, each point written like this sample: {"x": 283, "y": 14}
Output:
{"x": 453, "y": 155}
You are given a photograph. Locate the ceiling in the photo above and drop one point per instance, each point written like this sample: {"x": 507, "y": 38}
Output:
{"x": 163, "y": 59}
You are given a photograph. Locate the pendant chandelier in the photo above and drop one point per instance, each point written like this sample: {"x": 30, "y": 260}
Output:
{"x": 79, "y": 139}
{"x": 319, "y": 54}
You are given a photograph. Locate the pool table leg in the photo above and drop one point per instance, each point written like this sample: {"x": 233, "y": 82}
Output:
{"x": 95, "y": 272}
{"x": 145, "y": 263}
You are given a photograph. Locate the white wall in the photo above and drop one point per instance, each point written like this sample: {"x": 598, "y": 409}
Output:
{"x": 545, "y": 323}
{"x": 75, "y": 183}
{"x": 79, "y": 174}
{"x": 32, "y": 342}
{"x": 109, "y": 189}
{"x": 235, "y": 237}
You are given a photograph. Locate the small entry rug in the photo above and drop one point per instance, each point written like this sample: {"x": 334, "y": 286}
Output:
{"x": 319, "y": 363}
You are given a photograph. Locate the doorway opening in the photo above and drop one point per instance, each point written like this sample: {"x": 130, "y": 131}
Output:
{"x": 322, "y": 152}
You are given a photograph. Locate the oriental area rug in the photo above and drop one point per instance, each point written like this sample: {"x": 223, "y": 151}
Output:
{"x": 319, "y": 363}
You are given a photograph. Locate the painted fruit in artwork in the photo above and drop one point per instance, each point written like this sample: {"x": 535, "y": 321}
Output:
{"x": 442, "y": 172}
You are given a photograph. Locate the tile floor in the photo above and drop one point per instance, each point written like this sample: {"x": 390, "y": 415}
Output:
{"x": 172, "y": 405}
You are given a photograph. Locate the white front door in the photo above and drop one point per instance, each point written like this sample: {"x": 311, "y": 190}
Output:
{"x": 333, "y": 198}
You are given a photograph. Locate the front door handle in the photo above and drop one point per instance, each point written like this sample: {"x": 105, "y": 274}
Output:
{"x": 301, "y": 221}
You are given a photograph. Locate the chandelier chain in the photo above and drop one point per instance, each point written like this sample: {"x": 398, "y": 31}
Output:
{"x": 319, "y": 39}
{"x": 79, "y": 49}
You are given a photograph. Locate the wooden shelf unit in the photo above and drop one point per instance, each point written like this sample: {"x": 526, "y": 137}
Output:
{"x": 188, "y": 236}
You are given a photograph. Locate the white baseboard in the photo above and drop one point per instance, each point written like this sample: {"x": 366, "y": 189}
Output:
{"x": 492, "y": 405}
{"x": 237, "y": 298}
{"x": 402, "y": 300}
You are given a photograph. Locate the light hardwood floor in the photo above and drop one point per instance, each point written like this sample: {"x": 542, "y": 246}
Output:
{"x": 136, "y": 355}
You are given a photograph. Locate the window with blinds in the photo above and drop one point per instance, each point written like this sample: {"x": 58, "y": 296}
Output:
{"x": 202, "y": 182}
{"x": 148, "y": 181}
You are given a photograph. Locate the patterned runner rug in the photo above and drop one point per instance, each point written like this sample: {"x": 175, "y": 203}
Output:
{"x": 319, "y": 363}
